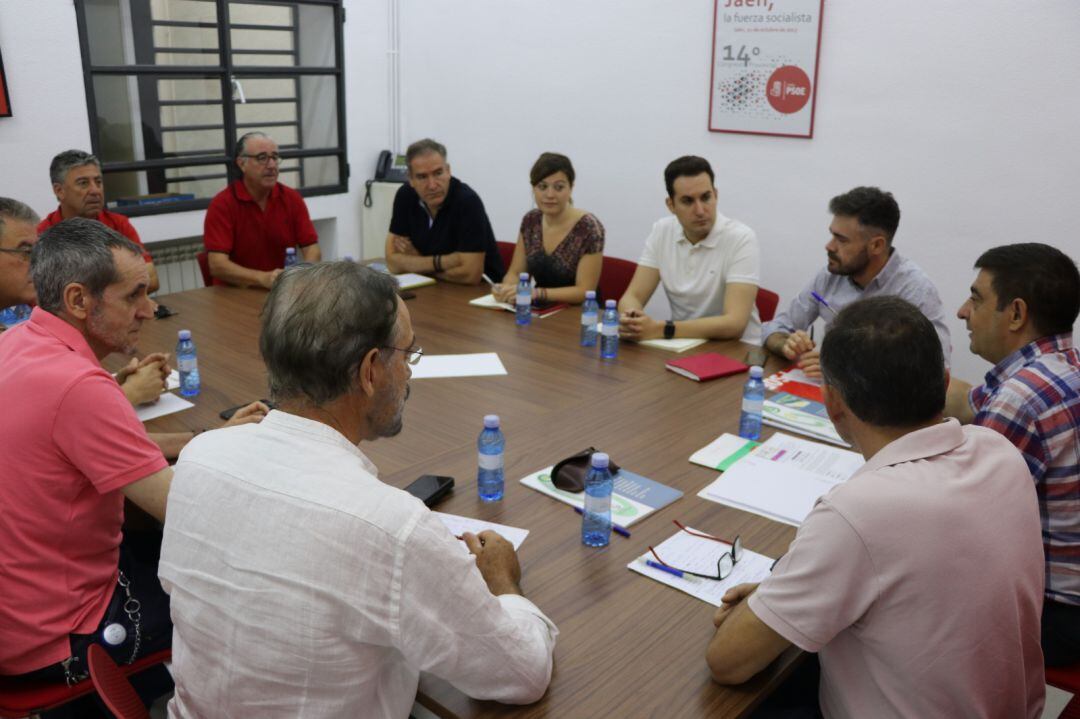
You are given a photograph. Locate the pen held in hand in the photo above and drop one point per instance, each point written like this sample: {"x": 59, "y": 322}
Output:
{"x": 821, "y": 301}
{"x": 623, "y": 531}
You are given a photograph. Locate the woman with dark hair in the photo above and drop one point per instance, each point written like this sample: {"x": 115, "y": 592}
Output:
{"x": 559, "y": 245}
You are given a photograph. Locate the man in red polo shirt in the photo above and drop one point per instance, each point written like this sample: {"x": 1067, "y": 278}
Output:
{"x": 17, "y": 238}
{"x": 77, "y": 184}
{"x": 252, "y": 222}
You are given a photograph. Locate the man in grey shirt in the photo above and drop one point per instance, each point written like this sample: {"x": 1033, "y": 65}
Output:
{"x": 861, "y": 263}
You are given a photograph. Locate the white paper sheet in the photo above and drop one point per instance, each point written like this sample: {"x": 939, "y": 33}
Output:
{"x": 166, "y": 404}
{"x": 409, "y": 280}
{"x": 459, "y": 525}
{"x": 173, "y": 381}
{"x": 488, "y": 301}
{"x": 471, "y": 365}
{"x": 697, "y": 554}
{"x": 782, "y": 480}
{"x": 674, "y": 345}
{"x": 721, "y": 451}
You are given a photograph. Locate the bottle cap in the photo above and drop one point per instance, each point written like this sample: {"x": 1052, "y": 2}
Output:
{"x": 600, "y": 460}
{"x": 590, "y": 294}
{"x": 491, "y": 421}
{"x": 523, "y": 276}
{"x": 290, "y": 250}
{"x": 756, "y": 372}
{"x": 610, "y": 304}
{"x": 184, "y": 334}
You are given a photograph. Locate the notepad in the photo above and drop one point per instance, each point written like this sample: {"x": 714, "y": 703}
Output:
{"x": 674, "y": 345}
{"x": 697, "y": 554}
{"x": 723, "y": 452}
{"x": 783, "y": 478}
{"x": 410, "y": 280}
{"x": 458, "y": 525}
{"x": 489, "y": 302}
{"x": 468, "y": 365}
{"x": 707, "y": 366}
{"x": 167, "y": 403}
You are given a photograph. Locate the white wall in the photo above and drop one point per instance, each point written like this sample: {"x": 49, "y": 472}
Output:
{"x": 968, "y": 112}
{"x": 40, "y": 46}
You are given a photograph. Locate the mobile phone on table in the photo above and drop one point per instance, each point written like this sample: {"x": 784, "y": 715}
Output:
{"x": 226, "y": 414}
{"x": 430, "y": 488}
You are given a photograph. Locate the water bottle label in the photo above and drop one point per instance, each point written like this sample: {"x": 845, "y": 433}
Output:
{"x": 187, "y": 364}
{"x": 490, "y": 461}
{"x": 611, "y": 330}
{"x": 753, "y": 406}
{"x": 588, "y": 319}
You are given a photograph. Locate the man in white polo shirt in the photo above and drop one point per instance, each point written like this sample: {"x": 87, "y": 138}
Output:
{"x": 708, "y": 263}
{"x": 918, "y": 582}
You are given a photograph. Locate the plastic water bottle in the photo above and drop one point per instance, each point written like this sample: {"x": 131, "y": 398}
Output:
{"x": 8, "y": 317}
{"x": 596, "y": 519}
{"x": 523, "y": 301}
{"x": 489, "y": 477}
{"x": 609, "y": 331}
{"x": 753, "y": 399}
{"x": 590, "y": 315}
{"x": 290, "y": 257}
{"x": 22, "y": 313}
{"x": 187, "y": 364}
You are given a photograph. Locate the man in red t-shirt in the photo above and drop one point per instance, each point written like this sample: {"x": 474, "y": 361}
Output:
{"x": 252, "y": 222}
{"x": 77, "y": 184}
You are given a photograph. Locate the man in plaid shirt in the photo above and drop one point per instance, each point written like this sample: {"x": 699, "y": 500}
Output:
{"x": 1020, "y": 316}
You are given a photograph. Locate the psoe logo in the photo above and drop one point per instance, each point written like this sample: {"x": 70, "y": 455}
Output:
{"x": 788, "y": 89}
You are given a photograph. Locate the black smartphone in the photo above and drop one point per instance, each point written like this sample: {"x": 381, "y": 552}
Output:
{"x": 161, "y": 312}
{"x": 226, "y": 414}
{"x": 431, "y": 488}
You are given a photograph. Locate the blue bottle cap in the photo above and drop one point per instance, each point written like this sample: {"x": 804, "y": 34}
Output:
{"x": 610, "y": 304}
{"x": 600, "y": 460}
{"x": 491, "y": 421}
{"x": 523, "y": 276}
{"x": 756, "y": 372}
{"x": 184, "y": 334}
{"x": 290, "y": 250}
{"x": 590, "y": 294}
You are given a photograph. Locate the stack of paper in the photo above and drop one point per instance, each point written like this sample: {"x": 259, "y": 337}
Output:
{"x": 409, "y": 280}
{"x": 634, "y": 496}
{"x": 675, "y": 345}
{"x": 698, "y": 554}
{"x": 800, "y": 415}
{"x": 471, "y": 365}
{"x": 783, "y": 478}
{"x": 795, "y": 381}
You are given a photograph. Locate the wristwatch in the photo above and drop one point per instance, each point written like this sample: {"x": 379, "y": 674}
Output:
{"x": 669, "y": 329}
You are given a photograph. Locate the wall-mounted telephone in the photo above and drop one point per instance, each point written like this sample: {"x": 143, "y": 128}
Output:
{"x": 391, "y": 168}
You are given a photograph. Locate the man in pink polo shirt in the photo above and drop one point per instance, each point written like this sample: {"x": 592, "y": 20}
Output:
{"x": 251, "y": 224}
{"x": 918, "y": 581}
{"x": 80, "y": 190}
{"x": 72, "y": 450}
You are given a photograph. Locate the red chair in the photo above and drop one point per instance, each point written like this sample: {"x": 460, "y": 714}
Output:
{"x": 615, "y": 276}
{"x": 113, "y": 685}
{"x": 766, "y": 302}
{"x": 20, "y": 698}
{"x": 1067, "y": 678}
{"x": 506, "y": 252}
{"x": 204, "y": 267}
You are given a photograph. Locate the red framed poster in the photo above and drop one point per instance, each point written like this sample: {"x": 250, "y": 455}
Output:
{"x": 5, "y": 100}
{"x": 765, "y": 66}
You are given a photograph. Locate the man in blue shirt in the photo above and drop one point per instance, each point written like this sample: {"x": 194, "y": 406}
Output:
{"x": 439, "y": 226}
{"x": 862, "y": 262}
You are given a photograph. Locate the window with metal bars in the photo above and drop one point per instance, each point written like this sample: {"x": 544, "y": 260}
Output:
{"x": 171, "y": 85}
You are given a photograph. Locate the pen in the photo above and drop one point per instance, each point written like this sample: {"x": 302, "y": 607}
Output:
{"x": 618, "y": 530}
{"x": 662, "y": 568}
{"x": 821, "y": 300}
{"x": 488, "y": 279}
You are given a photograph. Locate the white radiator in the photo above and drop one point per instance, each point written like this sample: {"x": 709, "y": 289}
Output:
{"x": 177, "y": 268}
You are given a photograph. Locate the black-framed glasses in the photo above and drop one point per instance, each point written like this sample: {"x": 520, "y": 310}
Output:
{"x": 24, "y": 251}
{"x": 411, "y": 356}
{"x": 264, "y": 158}
{"x": 724, "y": 565}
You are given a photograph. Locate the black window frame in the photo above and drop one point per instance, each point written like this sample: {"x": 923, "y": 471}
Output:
{"x": 225, "y": 71}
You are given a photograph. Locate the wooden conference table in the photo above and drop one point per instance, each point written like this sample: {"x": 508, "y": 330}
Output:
{"x": 628, "y": 646}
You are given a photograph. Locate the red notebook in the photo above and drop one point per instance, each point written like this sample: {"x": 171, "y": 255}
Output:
{"x": 704, "y": 367}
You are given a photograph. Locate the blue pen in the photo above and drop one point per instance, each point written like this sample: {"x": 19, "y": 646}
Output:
{"x": 822, "y": 301}
{"x": 662, "y": 568}
{"x": 614, "y": 527}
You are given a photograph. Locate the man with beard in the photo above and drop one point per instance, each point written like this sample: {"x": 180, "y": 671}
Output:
{"x": 302, "y": 585}
{"x": 251, "y": 224}
{"x": 862, "y": 262}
